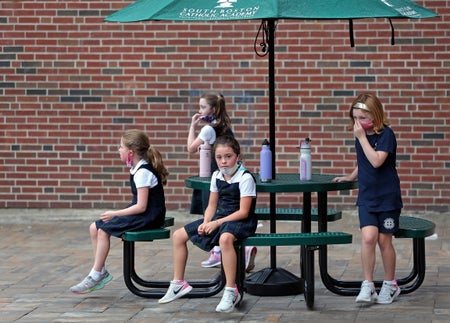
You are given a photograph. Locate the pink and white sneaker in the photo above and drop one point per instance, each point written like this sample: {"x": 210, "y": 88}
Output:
{"x": 214, "y": 260}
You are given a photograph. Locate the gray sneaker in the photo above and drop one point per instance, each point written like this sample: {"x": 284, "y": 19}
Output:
{"x": 89, "y": 284}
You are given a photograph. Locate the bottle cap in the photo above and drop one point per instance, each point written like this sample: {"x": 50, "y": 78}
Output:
{"x": 305, "y": 144}
{"x": 265, "y": 142}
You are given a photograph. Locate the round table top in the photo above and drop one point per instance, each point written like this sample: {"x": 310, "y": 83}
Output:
{"x": 284, "y": 183}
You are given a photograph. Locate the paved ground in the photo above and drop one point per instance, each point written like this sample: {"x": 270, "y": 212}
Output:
{"x": 43, "y": 253}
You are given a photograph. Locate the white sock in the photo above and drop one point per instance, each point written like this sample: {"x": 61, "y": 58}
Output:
{"x": 216, "y": 249}
{"x": 95, "y": 274}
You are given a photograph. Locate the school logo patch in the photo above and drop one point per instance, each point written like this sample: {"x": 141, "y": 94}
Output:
{"x": 389, "y": 223}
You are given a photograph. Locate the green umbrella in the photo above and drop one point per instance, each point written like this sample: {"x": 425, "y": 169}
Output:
{"x": 268, "y": 9}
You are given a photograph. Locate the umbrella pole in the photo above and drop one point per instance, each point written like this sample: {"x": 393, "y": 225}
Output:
{"x": 271, "y": 40}
{"x": 273, "y": 281}
{"x": 272, "y": 200}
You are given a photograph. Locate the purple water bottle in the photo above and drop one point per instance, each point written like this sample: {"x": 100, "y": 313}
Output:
{"x": 205, "y": 160}
{"x": 265, "y": 163}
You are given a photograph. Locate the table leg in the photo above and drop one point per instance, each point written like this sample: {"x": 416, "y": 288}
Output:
{"x": 274, "y": 281}
{"x": 333, "y": 285}
{"x": 306, "y": 227}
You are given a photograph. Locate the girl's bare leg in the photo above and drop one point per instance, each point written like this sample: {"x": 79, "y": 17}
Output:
{"x": 229, "y": 258}
{"x": 369, "y": 239}
{"x": 388, "y": 255}
{"x": 180, "y": 253}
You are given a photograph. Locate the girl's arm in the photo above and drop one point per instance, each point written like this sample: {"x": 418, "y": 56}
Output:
{"x": 349, "y": 178}
{"x": 206, "y": 227}
{"x": 242, "y": 213}
{"x": 193, "y": 142}
{"x": 139, "y": 207}
{"x": 376, "y": 158}
{"x": 212, "y": 206}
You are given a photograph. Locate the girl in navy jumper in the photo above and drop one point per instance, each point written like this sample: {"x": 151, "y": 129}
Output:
{"x": 379, "y": 199}
{"x": 228, "y": 217}
{"x": 146, "y": 211}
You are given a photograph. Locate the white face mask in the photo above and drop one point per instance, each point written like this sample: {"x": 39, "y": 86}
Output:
{"x": 229, "y": 171}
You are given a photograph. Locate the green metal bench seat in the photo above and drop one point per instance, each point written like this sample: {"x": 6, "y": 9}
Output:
{"x": 414, "y": 228}
{"x": 296, "y": 214}
{"x": 153, "y": 288}
{"x": 311, "y": 240}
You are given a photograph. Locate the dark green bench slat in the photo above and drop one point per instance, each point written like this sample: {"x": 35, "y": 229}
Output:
{"x": 152, "y": 234}
{"x": 296, "y": 214}
{"x": 296, "y": 239}
{"x": 147, "y": 235}
{"x": 411, "y": 227}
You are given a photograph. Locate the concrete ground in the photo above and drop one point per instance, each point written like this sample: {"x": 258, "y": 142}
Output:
{"x": 45, "y": 252}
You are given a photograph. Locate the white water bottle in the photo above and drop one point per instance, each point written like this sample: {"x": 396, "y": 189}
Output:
{"x": 205, "y": 160}
{"x": 305, "y": 160}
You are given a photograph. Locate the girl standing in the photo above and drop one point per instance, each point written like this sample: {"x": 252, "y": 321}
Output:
{"x": 228, "y": 217}
{"x": 379, "y": 199}
{"x": 146, "y": 211}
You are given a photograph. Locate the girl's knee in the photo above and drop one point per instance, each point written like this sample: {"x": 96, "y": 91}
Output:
{"x": 102, "y": 234}
{"x": 180, "y": 236}
{"x": 93, "y": 229}
{"x": 369, "y": 235}
{"x": 226, "y": 240}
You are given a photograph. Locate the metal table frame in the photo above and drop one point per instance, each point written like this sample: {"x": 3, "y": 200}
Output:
{"x": 287, "y": 183}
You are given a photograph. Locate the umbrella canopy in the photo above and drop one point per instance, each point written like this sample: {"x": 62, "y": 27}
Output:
{"x": 204, "y": 10}
{"x": 269, "y": 11}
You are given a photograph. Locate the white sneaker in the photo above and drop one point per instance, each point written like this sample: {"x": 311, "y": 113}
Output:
{"x": 175, "y": 291}
{"x": 229, "y": 299}
{"x": 367, "y": 293}
{"x": 388, "y": 293}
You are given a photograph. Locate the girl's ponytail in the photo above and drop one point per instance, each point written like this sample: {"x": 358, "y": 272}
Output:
{"x": 155, "y": 159}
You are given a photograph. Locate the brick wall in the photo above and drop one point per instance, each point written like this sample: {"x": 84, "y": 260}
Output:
{"x": 70, "y": 84}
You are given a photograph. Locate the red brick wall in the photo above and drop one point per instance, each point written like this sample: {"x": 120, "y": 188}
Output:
{"x": 70, "y": 84}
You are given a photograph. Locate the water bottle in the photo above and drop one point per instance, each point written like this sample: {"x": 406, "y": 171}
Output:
{"x": 265, "y": 163}
{"x": 205, "y": 160}
{"x": 305, "y": 160}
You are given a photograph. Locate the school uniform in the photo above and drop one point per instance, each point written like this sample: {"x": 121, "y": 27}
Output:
{"x": 379, "y": 188}
{"x": 142, "y": 175}
{"x": 242, "y": 184}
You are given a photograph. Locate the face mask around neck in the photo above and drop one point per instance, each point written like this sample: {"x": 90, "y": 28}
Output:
{"x": 229, "y": 171}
